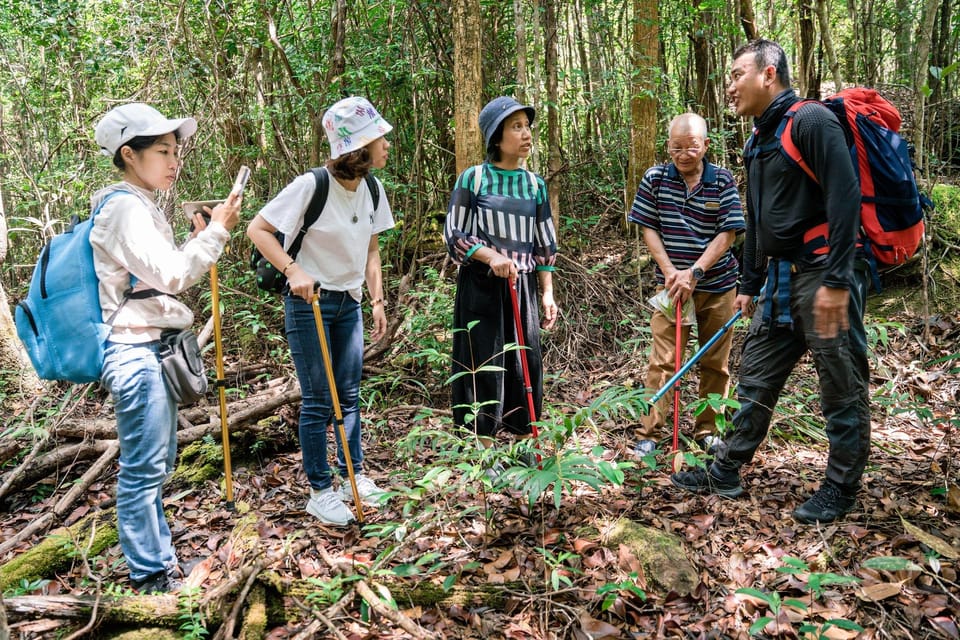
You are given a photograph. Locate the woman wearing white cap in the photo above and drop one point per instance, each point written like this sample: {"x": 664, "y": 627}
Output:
{"x": 499, "y": 229}
{"x": 140, "y": 269}
{"x": 338, "y": 253}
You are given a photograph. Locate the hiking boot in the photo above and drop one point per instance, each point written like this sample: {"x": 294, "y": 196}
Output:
{"x": 528, "y": 459}
{"x": 159, "y": 582}
{"x": 369, "y": 492}
{"x": 327, "y": 506}
{"x": 830, "y": 502}
{"x": 644, "y": 448}
{"x": 708, "y": 444}
{"x": 704, "y": 481}
{"x": 495, "y": 473}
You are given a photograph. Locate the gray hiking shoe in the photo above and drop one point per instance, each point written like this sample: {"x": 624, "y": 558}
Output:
{"x": 327, "y": 507}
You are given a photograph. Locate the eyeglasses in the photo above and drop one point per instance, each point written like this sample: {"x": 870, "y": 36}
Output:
{"x": 692, "y": 151}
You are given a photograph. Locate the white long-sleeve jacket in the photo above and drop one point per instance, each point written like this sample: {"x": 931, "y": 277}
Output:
{"x": 131, "y": 236}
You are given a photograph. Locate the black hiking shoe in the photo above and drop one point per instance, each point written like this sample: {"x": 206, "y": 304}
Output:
{"x": 159, "y": 582}
{"x": 830, "y": 502}
{"x": 703, "y": 481}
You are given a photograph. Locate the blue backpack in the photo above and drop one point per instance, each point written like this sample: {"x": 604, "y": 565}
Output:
{"x": 60, "y": 322}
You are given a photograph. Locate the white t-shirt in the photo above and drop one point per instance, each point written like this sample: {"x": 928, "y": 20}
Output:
{"x": 334, "y": 250}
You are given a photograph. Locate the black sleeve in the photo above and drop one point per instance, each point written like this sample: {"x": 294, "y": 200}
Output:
{"x": 822, "y": 143}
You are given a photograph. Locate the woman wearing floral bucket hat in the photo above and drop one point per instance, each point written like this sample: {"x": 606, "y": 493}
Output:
{"x": 499, "y": 230}
{"x": 339, "y": 252}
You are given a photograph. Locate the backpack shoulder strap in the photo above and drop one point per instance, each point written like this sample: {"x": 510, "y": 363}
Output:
{"x": 785, "y": 136}
{"x": 314, "y": 208}
{"x": 477, "y": 178}
{"x": 373, "y": 185}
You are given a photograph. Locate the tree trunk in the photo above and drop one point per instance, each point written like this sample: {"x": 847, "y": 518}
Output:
{"x": 643, "y": 94}
{"x": 520, "y": 31}
{"x": 548, "y": 11}
{"x": 467, "y": 83}
{"x": 921, "y": 77}
{"x": 826, "y": 36}
{"x": 12, "y": 355}
{"x": 706, "y": 80}
{"x": 806, "y": 54}
{"x": 748, "y": 19}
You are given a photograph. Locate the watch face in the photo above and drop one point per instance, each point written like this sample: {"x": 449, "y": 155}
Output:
{"x": 698, "y": 273}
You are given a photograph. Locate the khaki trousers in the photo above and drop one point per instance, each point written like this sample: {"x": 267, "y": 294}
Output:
{"x": 712, "y": 310}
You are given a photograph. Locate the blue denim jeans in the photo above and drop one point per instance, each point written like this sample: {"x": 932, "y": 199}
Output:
{"x": 147, "y": 429}
{"x": 343, "y": 325}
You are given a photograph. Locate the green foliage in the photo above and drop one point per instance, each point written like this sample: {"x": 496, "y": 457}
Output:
{"x": 610, "y": 592}
{"x": 192, "y": 620}
{"x": 814, "y": 583}
{"x": 26, "y": 587}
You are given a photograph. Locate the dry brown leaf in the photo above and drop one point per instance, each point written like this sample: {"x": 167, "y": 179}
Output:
{"x": 597, "y": 629}
{"x": 953, "y": 498}
{"x": 939, "y": 545}
{"x": 879, "y": 591}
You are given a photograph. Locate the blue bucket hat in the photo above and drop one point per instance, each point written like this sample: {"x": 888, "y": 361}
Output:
{"x": 498, "y": 110}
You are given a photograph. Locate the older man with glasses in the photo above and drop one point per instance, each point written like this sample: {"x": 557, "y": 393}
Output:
{"x": 690, "y": 213}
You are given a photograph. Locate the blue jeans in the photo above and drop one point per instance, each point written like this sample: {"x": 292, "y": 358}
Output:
{"x": 147, "y": 429}
{"x": 343, "y": 326}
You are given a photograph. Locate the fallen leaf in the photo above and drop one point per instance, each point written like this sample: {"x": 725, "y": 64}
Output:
{"x": 597, "y": 629}
{"x": 878, "y": 591}
{"x": 953, "y": 498}
{"x": 937, "y": 544}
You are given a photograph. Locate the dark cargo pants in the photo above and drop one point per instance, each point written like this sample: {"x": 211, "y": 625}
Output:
{"x": 771, "y": 352}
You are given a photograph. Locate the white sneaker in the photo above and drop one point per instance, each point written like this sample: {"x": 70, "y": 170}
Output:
{"x": 369, "y": 492}
{"x": 327, "y": 507}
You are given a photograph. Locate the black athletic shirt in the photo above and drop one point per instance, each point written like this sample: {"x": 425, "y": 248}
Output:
{"x": 783, "y": 203}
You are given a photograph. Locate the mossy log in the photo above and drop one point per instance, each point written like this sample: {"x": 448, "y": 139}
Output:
{"x": 661, "y": 554}
{"x": 255, "y": 620}
{"x": 92, "y": 534}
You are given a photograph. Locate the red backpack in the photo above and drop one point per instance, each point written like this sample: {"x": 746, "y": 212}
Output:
{"x": 891, "y": 206}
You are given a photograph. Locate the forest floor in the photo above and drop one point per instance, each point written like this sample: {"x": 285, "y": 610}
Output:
{"x": 541, "y": 568}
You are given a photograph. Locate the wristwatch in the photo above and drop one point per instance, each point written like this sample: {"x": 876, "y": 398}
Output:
{"x": 697, "y": 273}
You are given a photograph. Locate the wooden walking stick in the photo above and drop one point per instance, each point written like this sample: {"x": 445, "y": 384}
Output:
{"x": 335, "y": 399}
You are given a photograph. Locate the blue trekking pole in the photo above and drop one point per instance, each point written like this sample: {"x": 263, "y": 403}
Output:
{"x": 682, "y": 371}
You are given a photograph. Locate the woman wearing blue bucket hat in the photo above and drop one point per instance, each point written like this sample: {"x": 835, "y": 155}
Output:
{"x": 499, "y": 227}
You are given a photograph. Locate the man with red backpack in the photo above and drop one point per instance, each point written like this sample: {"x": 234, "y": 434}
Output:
{"x": 812, "y": 301}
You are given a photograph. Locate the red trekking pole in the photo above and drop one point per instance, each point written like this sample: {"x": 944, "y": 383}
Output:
{"x": 678, "y": 350}
{"x": 512, "y": 285}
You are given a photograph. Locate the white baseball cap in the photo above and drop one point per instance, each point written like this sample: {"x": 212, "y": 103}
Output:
{"x": 126, "y": 122}
{"x": 352, "y": 124}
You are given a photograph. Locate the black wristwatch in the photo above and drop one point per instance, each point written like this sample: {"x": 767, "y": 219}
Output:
{"x": 697, "y": 273}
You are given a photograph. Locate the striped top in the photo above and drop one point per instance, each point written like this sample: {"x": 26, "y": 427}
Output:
{"x": 688, "y": 222}
{"x": 510, "y": 213}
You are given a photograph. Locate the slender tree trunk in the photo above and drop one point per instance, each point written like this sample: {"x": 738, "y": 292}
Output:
{"x": 747, "y": 18}
{"x": 806, "y": 56}
{"x": 548, "y": 10}
{"x": 520, "y": 29}
{"x": 921, "y": 77}
{"x": 467, "y": 82}
{"x": 706, "y": 83}
{"x": 901, "y": 38}
{"x": 643, "y": 93}
{"x": 826, "y": 36}
{"x": 338, "y": 30}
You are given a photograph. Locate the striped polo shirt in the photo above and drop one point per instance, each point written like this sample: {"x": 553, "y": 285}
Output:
{"x": 509, "y": 213}
{"x": 688, "y": 221}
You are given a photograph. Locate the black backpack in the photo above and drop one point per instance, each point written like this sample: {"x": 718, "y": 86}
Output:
{"x": 269, "y": 278}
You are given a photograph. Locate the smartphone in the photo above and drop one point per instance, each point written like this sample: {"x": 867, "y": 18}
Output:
{"x": 195, "y": 207}
{"x": 241, "y": 182}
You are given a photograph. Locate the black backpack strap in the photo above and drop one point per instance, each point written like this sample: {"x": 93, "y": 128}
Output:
{"x": 374, "y": 186}
{"x": 314, "y": 209}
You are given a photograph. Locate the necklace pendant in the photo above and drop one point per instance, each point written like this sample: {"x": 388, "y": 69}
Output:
{"x": 355, "y": 218}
